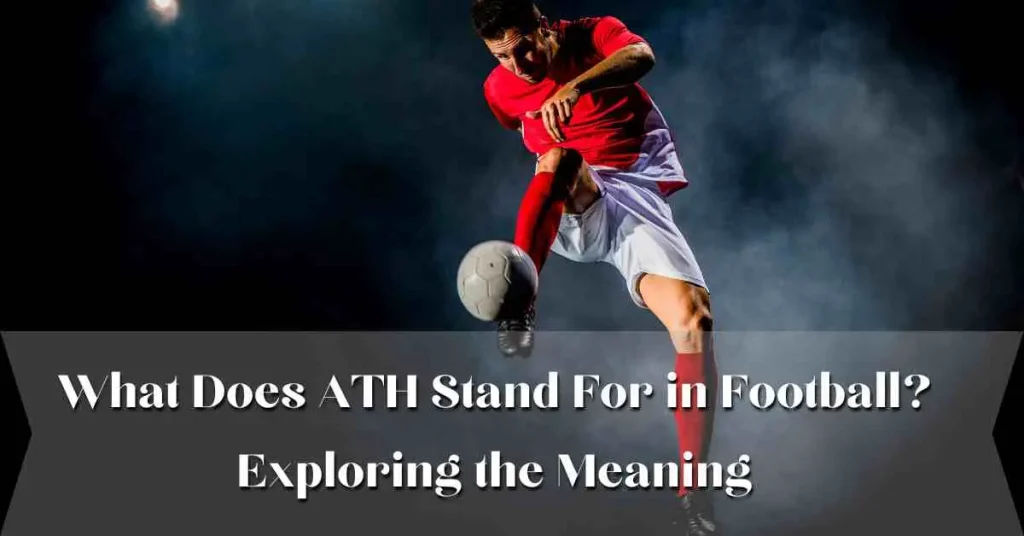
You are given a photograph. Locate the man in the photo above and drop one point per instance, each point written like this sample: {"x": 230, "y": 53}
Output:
{"x": 606, "y": 162}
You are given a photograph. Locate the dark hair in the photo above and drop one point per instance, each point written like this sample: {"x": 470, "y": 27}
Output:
{"x": 491, "y": 18}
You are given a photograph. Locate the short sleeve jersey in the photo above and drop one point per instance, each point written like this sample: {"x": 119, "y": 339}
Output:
{"x": 607, "y": 126}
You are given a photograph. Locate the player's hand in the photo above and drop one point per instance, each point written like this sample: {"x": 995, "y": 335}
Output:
{"x": 557, "y": 110}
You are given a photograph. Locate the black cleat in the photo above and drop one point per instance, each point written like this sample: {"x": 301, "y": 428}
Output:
{"x": 515, "y": 335}
{"x": 698, "y": 514}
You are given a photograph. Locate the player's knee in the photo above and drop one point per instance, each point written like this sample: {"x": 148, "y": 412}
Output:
{"x": 694, "y": 312}
{"x": 564, "y": 163}
{"x": 694, "y": 323}
{"x": 557, "y": 160}
{"x": 700, "y": 304}
{"x": 548, "y": 162}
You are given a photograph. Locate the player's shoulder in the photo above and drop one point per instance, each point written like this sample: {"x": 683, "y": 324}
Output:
{"x": 497, "y": 82}
{"x": 587, "y": 24}
{"x": 584, "y": 32}
{"x": 493, "y": 77}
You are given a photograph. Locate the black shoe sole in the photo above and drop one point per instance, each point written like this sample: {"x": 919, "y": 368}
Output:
{"x": 519, "y": 350}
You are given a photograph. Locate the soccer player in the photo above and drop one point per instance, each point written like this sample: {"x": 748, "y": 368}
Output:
{"x": 606, "y": 163}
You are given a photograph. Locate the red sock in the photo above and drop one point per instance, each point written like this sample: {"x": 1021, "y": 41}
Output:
{"x": 539, "y": 215}
{"x": 694, "y": 424}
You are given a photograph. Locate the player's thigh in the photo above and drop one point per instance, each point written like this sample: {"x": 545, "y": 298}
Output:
{"x": 646, "y": 240}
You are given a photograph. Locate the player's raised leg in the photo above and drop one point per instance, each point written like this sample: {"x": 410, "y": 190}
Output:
{"x": 685, "y": 310}
{"x": 560, "y": 184}
{"x": 540, "y": 210}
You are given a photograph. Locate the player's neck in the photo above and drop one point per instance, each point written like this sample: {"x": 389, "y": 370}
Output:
{"x": 554, "y": 41}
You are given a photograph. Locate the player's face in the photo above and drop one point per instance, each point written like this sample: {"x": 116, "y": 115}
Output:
{"x": 526, "y": 56}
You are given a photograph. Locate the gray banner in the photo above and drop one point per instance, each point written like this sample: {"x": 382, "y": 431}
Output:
{"x": 865, "y": 466}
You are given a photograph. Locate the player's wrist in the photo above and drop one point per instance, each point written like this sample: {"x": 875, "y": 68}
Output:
{"x": 578, "y": 87}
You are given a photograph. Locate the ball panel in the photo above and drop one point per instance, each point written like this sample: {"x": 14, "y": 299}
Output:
{"x": 491, "y": 264}
{"x": 487, "y": 310}
{"x": 496, "y": 278}
{"x": 475, "y": 296}
{"x": 497, "y": 287}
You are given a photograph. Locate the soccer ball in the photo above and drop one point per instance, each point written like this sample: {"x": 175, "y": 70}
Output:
{"x": 496, "y": 278}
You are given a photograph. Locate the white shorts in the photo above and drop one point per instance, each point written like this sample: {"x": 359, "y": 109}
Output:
{"x": 630, "y": 226}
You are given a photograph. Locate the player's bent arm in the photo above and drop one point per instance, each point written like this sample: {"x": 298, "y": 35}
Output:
{"x": 623, "y": 67}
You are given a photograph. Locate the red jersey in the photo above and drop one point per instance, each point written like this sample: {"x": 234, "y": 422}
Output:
{"x": 607, "y": 126}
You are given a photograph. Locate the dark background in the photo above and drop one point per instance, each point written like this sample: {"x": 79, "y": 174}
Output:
{"x": 323, "y": 165}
